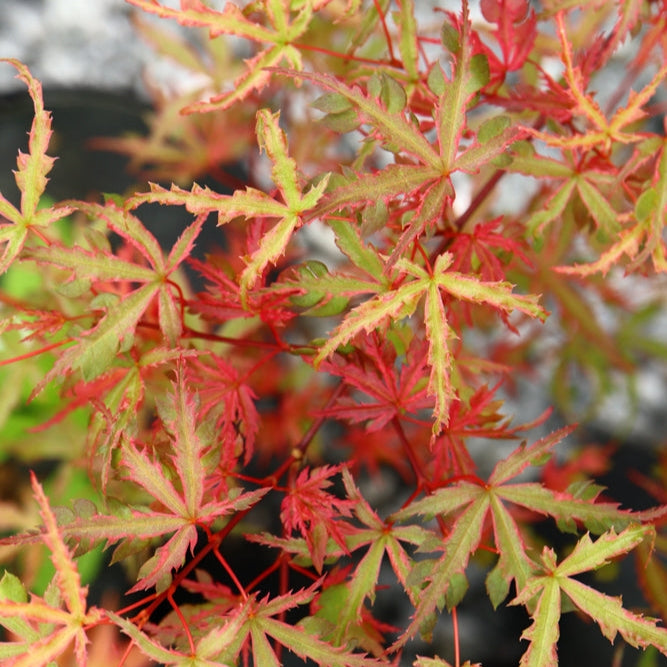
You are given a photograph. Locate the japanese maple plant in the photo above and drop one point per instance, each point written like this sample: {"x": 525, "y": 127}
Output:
{"x": 437, "y": 207}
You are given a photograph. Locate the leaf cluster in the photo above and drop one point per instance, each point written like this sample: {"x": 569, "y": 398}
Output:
{"x": 262, "y": 410}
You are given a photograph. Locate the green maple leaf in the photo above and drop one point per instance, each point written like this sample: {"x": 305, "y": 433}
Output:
{"x": 642, "y": 240}
{"x": 31, "y": 179}
{"x": 183, "y": 504}
{"x": 607, "y": 612}
{"x": 96, "y": 348}
{"x": 590, "y": 184}
{"x": 381, "y": 539}
{"x": 472, "y": 503}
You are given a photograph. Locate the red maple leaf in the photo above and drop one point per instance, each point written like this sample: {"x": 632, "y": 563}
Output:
{"x": 374, "y": 373}
{"x": 310, "y": 509}
{"x": 224, "y": 393}
{"x": 516, "y": 29}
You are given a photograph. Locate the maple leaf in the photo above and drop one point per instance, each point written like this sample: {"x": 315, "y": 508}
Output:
{"x": 311, "y": 510}
{"x": 593, "y": 179}
{"x": 206, "y": 650}
{"x": 281, "y": 31}
{"x": 180, "y": 503}
{"x": 604, "y": 131}
{"x": 43, "y": 628}
{"x": 475, "y": 251}
{"x": 96, "y": 348}
{"x": 31, "y": 179}
{"x": 401, "y": 302}
{"x": 516, "y": 29}
{"x": 374, "y": 374}
{"x": 477, "y": 417}
{"x": 259, "y": 624}
{"x": 644, "y": 239}
{"x": 251, "y": 202}
{"x": 471, "y": 503}
{"x": 381, "y": 538}
{"x": 424, "y": 173}
{"x": 117, "y": 397}
{"x": 226, "y": 395}
{"x": 221, "y": 302}
{"x": 608, "y": 612}
{"x": 253, "y": 622}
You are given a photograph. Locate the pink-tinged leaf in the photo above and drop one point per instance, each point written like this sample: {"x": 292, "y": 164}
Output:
{"x": 442, "y": 501}
{"x": 608, "y": 612}
{"x": 226, "y": 396}
{"x": 364, "y": 257}
{"x": 513, "y": 562}
{"x": 311, "y": 510}
{"x": 254, "y": 203}
{"x": 36, "y": 164}
{"x": 181, "y": 421}
{"x": 127, "y": 226}
{"x": 567, "y": 510}
{"x": 438, "y": 333}
{"x": 408, "y": 42}
{"x": 185, "y": 243}
{"x": 273, "y": 246}
{"x": 45, "y": 629}
{"x": 389, "y": 535}
{"x": 362, "y": 585}
{"x": 97, "y": 350}
{"x": 470, "y": 74}
{"x": 463, "y": 540}
{"x": 152, "y": 649}
{"x": 43, "y": 651}
{"x": 588, "y": 555}
{"x": 642, "y": 241}
{"x": 170, "y": 316}
{"x": 485, "y": 150}
{"x": 255, "y": 78}
{"x": 544, "y": 632}
{"x": 67, "y": 575}
{"x": 284, "y": 29}
{"x": 147, "y": 524}
{"x": 196, "y": 14}
{"x": 30, "y": 177}
{"x": 262, "y": 650}
{"x": 605, "y": 131}
{"x": 312, "y": 648}
{"x": 497, "y": 295}
{"x": 613, "y": 618}
{"x": 272, "y": 140}
{"x": 258, "y": 624}
{"x": 516, "y": 32}
{"x": 427, "y": 213}
{"x": 522, "y": 457}
{"x": 156, "y": 571}
{"x": 88, "y": 264}
{"x": 110, "y": 528}
{"x": 371, "y": 314}
{"x": 393, "y": 181}
{"x": 393, "y": 394}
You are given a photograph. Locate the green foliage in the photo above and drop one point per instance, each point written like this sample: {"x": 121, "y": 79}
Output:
{"x": 201, "y": 419}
